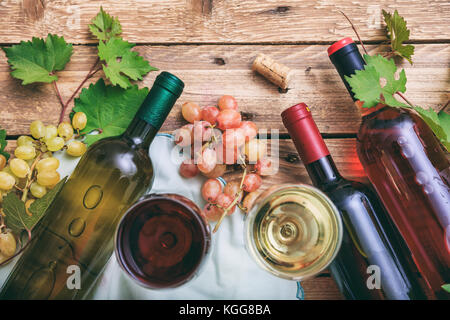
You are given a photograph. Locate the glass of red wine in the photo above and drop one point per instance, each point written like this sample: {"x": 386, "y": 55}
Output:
{"x": 162, "y": 241}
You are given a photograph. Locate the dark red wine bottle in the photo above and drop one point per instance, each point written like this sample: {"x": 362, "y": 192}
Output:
{"x": 373, "y": 260}
{"x": 410, "y": 171}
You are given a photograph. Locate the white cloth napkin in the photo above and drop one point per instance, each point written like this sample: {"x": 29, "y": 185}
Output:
{"x": 229, "y": 272}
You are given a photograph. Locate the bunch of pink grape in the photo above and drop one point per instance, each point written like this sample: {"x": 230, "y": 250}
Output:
{"x": 217, "y": 137}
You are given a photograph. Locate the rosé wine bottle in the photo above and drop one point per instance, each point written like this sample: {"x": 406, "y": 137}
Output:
{"x": 410, "y": 171}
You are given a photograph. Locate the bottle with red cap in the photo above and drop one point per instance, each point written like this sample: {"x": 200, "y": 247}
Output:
{"x": 410, "y": 171}
{"x": 373, "y": 261}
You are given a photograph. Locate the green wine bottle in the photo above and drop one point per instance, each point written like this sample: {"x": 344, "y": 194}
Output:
{"x": 75, "y": 238}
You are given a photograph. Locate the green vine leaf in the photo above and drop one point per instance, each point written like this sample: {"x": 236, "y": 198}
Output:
{"x": 446, "y": 287}
{"x": 444, "y": 119}
{"x": 122, "y": 64}
{"x": 398, "y": 33}
{"x": 438, "y": 122}
{"x": 16, "y": 216}
{"x": 109, "y": 109}
{"x": 38, "y": 60}
{"x": 367, "y": 85}
{"x": 15, "y": 213}
{"x": 40, "y": 206}
{"x": 3, "y": 144}
{"x": 104, "y": 26}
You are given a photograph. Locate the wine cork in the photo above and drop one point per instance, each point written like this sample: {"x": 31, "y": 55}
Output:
{"x": 273, "y": 71}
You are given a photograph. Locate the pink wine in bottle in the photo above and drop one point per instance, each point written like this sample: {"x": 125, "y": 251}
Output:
{"x": 409, "y": 170}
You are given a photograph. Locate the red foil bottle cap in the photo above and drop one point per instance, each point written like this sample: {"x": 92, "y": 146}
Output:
{"x": 304, "y": 133}
{"x": 339, "y": 45}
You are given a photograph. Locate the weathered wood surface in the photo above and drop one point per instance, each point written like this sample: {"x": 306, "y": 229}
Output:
{"x": 210, "y": 71}
{"x": 221, "y": 21}
{"x": 211, "y": 45}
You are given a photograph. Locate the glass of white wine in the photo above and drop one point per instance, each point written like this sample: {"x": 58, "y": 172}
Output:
{"x": 293, "y": 231}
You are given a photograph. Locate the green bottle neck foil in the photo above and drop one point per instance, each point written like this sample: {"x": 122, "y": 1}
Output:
{"x": 166, "y": 89}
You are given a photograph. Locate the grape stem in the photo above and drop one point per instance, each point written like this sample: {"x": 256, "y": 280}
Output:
{"x": 58, "y": 94}
{"x": 405, "y": 99}
{"x": 388, "y": 55}
{"x": 212, "y": 141}
{"x": 18, "y": 188}
{"x": 214, "y": 138}
{"x": 356, "y": 32}
{"x": 236, "y": 199}
{"x": 243, "y": 165}
{"x": 78, "y": 135}
{"x": 241, "y": 207}
{"x": 2, "y": 223}
{"x": 444, "y": 107}
{"x": 243, "y": 177}
{"x": 225, "y": 211}
{"x": 90, "y": 74}
{"x": 29, "y": 178}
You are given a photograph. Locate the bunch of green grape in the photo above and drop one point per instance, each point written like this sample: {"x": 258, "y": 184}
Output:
{"x": 33, "y": 170}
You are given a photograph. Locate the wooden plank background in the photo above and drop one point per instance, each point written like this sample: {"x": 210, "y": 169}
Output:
{"x": 226, "y": 69}
{"x": 222, "y": 21}
{"x": 211, "y": 45}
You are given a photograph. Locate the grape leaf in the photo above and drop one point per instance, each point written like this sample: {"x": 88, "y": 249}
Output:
{"x": 109, "y": 109}
{"x": 40, "y": 206}
{"x": 446, "y": 287}
{"x": 438, "y": 122}
{"x": 3, "y": 144}
{"x": 38, "y": 59}
{"x": 366, "y": 83}
{"x": 16, "y": 216}
{"x": 15, "y": 213}
{"x": 398, "y": 33}
{"x": 444, "y": 119}
{"x": 122, "y": 63}
{"x": 113, "y": 48}
{"x": 104, "y": 26}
